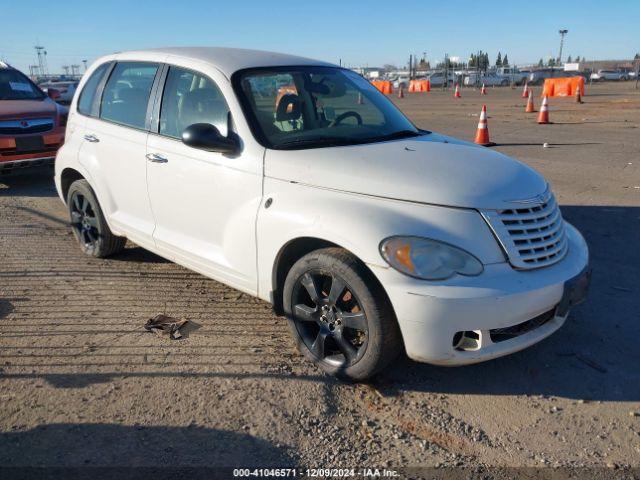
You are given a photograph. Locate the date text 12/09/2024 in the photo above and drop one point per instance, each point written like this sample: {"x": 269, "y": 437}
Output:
{"x": 315, "y": 472}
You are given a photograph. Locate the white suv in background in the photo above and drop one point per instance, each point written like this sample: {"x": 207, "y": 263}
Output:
{"x": 602, "y": 75}
{"x": 298, "y": 182}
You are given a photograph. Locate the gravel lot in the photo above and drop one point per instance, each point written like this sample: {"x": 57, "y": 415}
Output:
{"x": 82, "y": 384}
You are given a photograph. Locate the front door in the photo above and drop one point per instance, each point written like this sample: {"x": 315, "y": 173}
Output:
{"x": 204, "y": 203}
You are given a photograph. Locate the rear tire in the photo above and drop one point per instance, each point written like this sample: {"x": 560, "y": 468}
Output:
{"x": 339, "y": 315}
{"x": 88, "y": 223}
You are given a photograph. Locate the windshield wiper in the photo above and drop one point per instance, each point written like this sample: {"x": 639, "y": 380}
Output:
{"x": 400, "y": 134}
{"x": 321, "y": 142}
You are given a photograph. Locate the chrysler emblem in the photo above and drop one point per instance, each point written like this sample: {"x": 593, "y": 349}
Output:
{"x": 541, "y": 198}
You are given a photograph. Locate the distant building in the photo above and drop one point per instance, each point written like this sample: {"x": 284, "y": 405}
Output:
{"x": 369, "y": 72}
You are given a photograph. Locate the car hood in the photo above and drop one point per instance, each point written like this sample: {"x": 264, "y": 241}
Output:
{"x": 432, "y": 169}
{"x": 11, "y": 109}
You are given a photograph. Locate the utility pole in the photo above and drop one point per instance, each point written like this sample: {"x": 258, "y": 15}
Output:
{"x": 74, "y": 70}
{"x": 41, "y": 59}
{"x": 445, "y": 81}
{"x": 66, "y": 70}
{"x": 562, "y": 34}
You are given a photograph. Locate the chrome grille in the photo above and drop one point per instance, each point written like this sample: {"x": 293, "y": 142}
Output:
{"x": 532, "y": 236}
{"x": 25, "y": 126}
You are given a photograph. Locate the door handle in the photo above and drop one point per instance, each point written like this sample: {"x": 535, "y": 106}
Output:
{"x": 155, "y": 158}
{"x": 91, "y": 138}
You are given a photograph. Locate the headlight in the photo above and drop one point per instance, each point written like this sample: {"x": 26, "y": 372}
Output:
{"x": 428, "y": 259}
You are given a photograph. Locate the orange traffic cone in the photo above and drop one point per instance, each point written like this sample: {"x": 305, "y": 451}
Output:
{"x": 428, "y": 89}
{"x": 525, "y": 90}
{"x": 530, "y": 106}
{"x": 578, "y": 95}
{"x": 456, "y": 94}
{"x": 482, "y": 135}
{"x": 401, "y": 92}
{"x": 483, "y": 90}
{"x": 543, "y": 117}
{"x": 360, "y": 100}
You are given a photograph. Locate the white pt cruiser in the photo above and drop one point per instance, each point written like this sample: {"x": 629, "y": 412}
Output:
{"x": 298, "y": 182}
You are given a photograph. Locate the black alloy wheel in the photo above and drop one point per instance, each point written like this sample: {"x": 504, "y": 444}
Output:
{"x": 329, "y": 318}
{"x": 88, "y": 223}
{"x": 84, "y": 220}
{"x": 339, "y": 314}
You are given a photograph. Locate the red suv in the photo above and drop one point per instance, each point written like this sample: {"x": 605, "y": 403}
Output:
{"x": 32, "y": 125}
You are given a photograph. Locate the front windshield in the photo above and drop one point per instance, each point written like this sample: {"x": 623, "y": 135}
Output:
{"x": 15, "y": 86}
{"x": 311, "y": 107}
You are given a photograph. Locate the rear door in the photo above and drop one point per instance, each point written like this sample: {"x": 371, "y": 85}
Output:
{"x": 114, "y": 148}
{"x": 87, "y": 105}
{"x": 205, "y": 203}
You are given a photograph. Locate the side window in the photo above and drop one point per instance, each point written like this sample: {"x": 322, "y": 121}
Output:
{"x": 89, "y": 91}
{"x": 126, "y": 94}
{"x": 189, "y": 98}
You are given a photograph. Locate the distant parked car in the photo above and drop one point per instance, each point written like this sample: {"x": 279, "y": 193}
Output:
{"x": 512, "y": 74}
{"x": 401, "y": 82}
{"x": 602, "y": 75}
{"x": 437, "y": 79}
{"x": 32, "y": 125}
{"x": 66, "y": 90}
{"x": 537, "y": 77}
{"x": 489, "y": 79}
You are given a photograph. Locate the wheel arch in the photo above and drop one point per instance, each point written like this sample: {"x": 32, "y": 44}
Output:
{"x": 294, "y": 250}
{"x": 67, "y": 177}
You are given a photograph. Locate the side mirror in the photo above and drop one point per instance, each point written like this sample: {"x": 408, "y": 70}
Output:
{"x": 53, "y": 93}
{"x": 205, "y": 136}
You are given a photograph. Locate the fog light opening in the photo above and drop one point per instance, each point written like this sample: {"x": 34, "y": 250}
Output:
{"x": 466, "y": 341}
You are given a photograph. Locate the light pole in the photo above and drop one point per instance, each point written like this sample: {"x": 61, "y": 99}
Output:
{"x": 562, "y": 34}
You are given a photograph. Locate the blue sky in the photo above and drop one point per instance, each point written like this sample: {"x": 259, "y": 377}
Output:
{"x": 359, "y": 32}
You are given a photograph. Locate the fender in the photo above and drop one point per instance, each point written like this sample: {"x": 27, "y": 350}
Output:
{"x": 345, "y": 219}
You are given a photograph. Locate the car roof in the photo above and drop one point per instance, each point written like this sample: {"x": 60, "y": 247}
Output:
{"x": 227, "y": 60}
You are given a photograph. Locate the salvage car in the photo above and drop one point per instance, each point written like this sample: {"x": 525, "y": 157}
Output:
{"x": 32, "y": 125}
{"x": 66, "y": 90}
{"x": 370, "y": 235}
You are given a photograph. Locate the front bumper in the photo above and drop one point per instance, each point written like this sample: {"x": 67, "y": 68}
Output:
{"x": 430, "y": 314}
{"x": 11, "y": 155}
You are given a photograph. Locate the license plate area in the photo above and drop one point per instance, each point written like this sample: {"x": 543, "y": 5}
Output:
{"x": 29, "y": 144}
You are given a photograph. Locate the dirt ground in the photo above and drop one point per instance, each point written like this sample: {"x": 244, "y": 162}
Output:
{"x": 83, "y": 385}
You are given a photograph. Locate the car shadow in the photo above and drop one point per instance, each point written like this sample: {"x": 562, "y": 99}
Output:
{"x": 594, "y": 356}
{"x": 77, "y": 450}
{"x": 136, "y": 254}
{"x": 28, "y": 182}
{"x": 6, "y": 307}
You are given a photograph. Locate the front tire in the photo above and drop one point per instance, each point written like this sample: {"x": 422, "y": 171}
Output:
{"x": 88, "y": 223}
{"x": 339, "y": 315}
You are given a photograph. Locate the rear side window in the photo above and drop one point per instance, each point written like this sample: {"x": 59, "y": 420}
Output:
{"x": 189, "y": 98}
{"x": 89, "y": 91}
{"x": 126, "y": 94}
